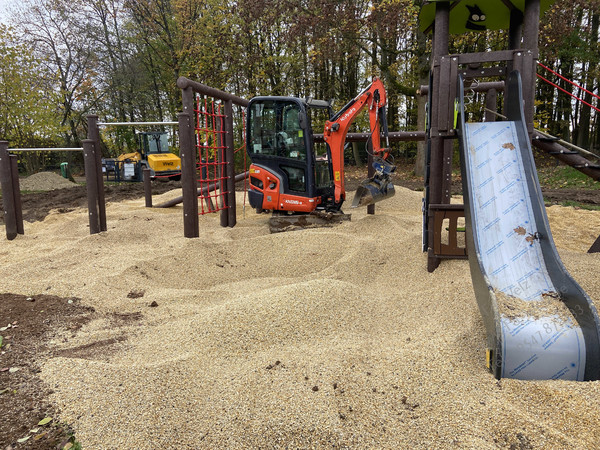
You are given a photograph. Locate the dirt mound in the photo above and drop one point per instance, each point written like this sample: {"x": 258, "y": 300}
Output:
{"x": 45, "y": 181}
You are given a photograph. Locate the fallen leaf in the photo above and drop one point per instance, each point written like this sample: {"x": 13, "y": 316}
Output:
{"x": 5, "y": 328}
{"x": 40, "y": 436}
{"x": 68, "y": 446}
{"x": 13, "y": 370}
{"x": 25, "y": 439}
{"x": 30, "y": 299}
{"x": 3, "y": 391}
{"x": 1, "y": 340}
{"x": 35, "y": 430}
{"x": 45, "y": 421}
{"x": 4, "y": 369}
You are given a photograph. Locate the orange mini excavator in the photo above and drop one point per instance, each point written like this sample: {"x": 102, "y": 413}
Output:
{"x": 287, "y": 178}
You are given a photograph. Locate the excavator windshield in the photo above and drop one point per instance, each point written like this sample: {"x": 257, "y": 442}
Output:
{"x": 275, "y": 130}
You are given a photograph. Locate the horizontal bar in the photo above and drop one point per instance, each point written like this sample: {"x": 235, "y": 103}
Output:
{"x": 393, "y": 136}
{"x": 59, "y": 149}
{"x": 483, "y": 86}
{"x": 183, "y": 83}
{"x": 106, "y": 124}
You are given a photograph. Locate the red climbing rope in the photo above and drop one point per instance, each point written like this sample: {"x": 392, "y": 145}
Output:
{"x": 567, "y": 80}
{"x": 567, "y": 92}
{"x": 210, "y": 142}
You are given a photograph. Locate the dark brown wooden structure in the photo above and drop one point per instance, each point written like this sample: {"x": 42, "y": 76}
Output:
{"x": 11, "y": 193}
{"x": 521, "y": 55}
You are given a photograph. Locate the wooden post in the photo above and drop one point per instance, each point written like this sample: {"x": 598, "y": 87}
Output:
{"x": 370, "y": 171}
{"x": 439, "y": 148}
{"x": 14, "y": 166}
{"x": 147, "y": 187}
{"x": 8, "y": 199}
{"x": 491, "y": 103}
{"x": 595, "y": 248}
{"x": 94, "y": 135}
{"x": 531, "y": 28}
{"x": 224, "y": 216}
{"x": 230, "y": 167}
{"x": 187, "y": 152}
{"x": 91, "y": 183}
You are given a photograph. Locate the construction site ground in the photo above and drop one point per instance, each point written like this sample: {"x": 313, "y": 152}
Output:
{"x": 140, "y": 338}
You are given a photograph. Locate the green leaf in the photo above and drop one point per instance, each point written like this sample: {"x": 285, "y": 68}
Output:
{"x": 1, "y": 339}
{"x": 45, "y": 421}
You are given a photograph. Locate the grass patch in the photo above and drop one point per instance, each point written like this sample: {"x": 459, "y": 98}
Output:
{"x": 565, "y": 177}
{"x": 574, "y": 204}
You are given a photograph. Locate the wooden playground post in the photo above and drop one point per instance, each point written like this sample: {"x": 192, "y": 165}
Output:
{"x": 221, "y": 129}
{"x": 229, "y": 159}
{"x": 370, "y": 171}
{"x": 147, "y": 187}
{"x": 94, "y": 136}
{"x": 14, "y": 167}
{"x": 187, "y": 152}
{"x": 8, "y": 196}
{"x": 91, "y": 182}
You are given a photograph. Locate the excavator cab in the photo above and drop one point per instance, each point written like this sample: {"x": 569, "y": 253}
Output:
{"x": 285, "y": 174}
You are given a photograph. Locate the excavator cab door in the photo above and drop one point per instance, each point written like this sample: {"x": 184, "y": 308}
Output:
{"x": 279, "y": 144}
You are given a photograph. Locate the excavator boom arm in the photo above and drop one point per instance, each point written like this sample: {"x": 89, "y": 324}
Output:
{"x": 336, "y": 129}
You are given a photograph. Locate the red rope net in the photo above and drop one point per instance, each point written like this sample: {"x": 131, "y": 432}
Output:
{"x": 210, "y": 143}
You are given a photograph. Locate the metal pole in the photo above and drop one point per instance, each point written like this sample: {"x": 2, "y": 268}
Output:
{"x": 230, "y": 169}
{"x": 188, "y": 176}
{"x": 147, "y": 187}
{"x": 8, "y": 199}
{"x": 17, "y": 193}
{"x": 121, "y": 124}
{"x": 89, "y": 159}
{"x": 94, "y": 136}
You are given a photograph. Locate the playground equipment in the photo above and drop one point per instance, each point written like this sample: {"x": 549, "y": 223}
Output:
{"x": 540, "y": 323}
{"x": 11, "y": 198}
{"x": 287, "y": 178}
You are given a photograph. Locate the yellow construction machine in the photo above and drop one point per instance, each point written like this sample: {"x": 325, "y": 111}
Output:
{"x": 153, "y": 153}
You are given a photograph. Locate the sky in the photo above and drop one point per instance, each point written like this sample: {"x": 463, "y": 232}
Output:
{"x": 3, "y": 10}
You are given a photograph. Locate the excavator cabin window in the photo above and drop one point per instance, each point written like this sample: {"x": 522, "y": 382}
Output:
{"x": 275, "y": 130}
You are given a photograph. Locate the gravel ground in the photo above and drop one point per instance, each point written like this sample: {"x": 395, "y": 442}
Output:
{"x": 331, "y": 337}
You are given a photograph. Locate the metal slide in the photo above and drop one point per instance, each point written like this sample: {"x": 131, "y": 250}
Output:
{"x": 540, "y": 324}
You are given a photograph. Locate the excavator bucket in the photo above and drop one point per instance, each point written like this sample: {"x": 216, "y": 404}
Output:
{"x": 376, "y": 188}
{"x": 370, "y": 192}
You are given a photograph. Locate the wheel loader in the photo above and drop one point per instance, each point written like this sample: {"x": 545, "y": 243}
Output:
{"x": 153, "y": 153}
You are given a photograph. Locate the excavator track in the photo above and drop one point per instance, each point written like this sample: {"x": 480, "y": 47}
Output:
{"x": 289, "y": 222}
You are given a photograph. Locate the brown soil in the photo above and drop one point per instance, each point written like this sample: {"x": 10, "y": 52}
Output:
{"x": 37, "y": 205}
{"x": 33, "y": 321}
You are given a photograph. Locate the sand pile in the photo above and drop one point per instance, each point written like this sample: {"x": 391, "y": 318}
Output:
{"x": 331, "y": 337}
{"x": 45, "y": 181}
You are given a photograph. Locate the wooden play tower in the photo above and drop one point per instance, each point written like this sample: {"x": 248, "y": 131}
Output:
{"x": 483, "y": 72}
